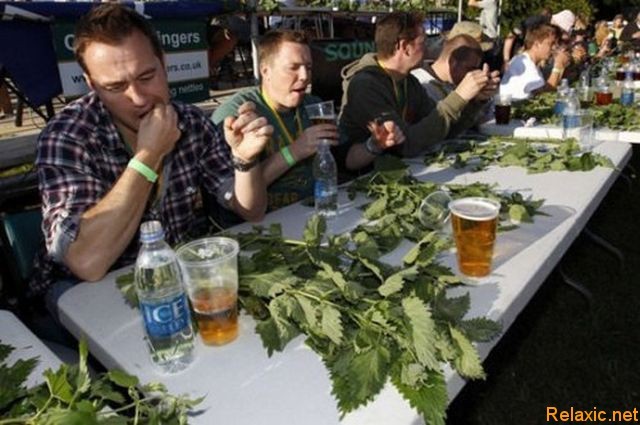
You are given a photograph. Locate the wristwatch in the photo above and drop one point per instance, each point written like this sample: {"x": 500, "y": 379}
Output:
{"x": 372, "y": 147}
{"x": 240, "y": 164}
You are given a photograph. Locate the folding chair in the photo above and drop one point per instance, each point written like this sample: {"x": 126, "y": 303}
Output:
{"x": 21, "y": 237}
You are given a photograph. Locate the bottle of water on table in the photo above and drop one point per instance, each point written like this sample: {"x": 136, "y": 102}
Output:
{"x": 628, "y": 89}
{"x": 571, "y": 114}
{"x": 325, "y": 173}
{"x": 163, "y": 303}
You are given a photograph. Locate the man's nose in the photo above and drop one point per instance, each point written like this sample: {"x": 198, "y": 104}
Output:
{"x": 136, "y": 94}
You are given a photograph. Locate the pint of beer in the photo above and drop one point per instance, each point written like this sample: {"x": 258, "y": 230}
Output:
{"x": 474, "y": 222}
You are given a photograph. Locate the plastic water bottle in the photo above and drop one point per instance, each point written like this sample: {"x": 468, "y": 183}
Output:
{"x": 163, "y": 303}
{"x": 561, "y": 97}
{"x": 325, "y": 173}
{"x": 571, "y": 113}
{"x": 628, "y": 88}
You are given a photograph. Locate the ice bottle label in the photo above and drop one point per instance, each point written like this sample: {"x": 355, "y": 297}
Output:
{"x": 167, "y": 317}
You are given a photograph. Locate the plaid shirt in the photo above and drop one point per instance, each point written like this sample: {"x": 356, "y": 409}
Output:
{"x": 81, "y": 155}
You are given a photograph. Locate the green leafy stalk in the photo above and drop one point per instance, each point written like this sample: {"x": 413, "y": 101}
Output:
{"x": 70, "y": 396}
{"x": 536, "y": 155}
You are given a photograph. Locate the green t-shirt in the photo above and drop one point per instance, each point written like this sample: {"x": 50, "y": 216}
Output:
{"x": 297, "y": 183}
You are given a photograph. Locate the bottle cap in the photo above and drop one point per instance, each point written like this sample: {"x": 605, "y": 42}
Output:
{"x": 151, "y": 231}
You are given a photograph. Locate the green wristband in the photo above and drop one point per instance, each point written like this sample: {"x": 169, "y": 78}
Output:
{"x": 288, "y": 157}
{"x": 143, "y": 169}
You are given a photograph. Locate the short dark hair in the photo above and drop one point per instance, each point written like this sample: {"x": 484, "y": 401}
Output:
{"x": 394, "y": 27}
{"x": 271, "y": 41}
{"x": 539, "y": 33}
{"x": 110, "y": 23}
{"x": 461, "y": 40}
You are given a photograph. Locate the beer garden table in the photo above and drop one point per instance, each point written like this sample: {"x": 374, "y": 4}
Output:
{"x": 244, "y": 386}
{"x": 14, "y": 333}
{"x": 517, "y": 128}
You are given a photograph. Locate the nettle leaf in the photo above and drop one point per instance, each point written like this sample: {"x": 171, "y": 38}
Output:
{"x": 467, "y": 364}
{"x": 376, "y": 208}
{"x": 519, "y": 214}
{"x": 331, "y": 324}
{"x": 314, "y": 230}
{"x": 122, "y": 379}
{"x": 310, "y": 310}
{"x": 358, "y": 378}
{"x": 270, "y": 336}
{"x": 12, "y": 378}
{"x": 451, "y": 309}
{"x": 269, "y": 284}
{"x": 422, "y": 331}
{"x": 394, "y": 283}
{"x": 125, "y": 282}
{"x": 58, "y": 385}
{"x": 429, "y": 399}
{"x": 480, "y": 329}
{"x": 366, "y": 245}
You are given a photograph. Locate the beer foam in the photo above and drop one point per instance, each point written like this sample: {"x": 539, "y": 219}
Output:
{"x": 475, "y": 208}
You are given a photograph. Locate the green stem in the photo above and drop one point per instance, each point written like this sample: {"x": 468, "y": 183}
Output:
{"x": 46, "y": 405}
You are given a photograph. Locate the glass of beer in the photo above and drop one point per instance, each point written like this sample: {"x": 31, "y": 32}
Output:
{"x": 474, "y": 222}
{"x": 210, "y": 270}
{"x": 321, "y": 113}
{"x": 502, "y": 108}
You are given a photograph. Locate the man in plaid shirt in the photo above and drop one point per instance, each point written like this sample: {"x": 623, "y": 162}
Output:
{"x": 125, "y": 153}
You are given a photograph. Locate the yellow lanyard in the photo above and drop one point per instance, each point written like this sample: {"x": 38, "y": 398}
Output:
{"x": 283, "y": 128}
{"x": 401, "y": 101}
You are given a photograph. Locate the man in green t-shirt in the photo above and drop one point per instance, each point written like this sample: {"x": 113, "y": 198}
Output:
{"x": 285, "y": 73}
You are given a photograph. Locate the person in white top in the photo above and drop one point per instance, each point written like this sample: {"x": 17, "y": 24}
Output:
{"x": 523, "y": 77}
{"x": 488, "y": 16}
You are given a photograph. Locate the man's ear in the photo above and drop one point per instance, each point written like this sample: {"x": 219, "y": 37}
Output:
{"x": 88, "y": 80}
{"x": 403, "y": 44}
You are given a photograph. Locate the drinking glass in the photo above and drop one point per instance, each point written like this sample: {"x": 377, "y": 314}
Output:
{"x": 210, "y": 270}
{"x": 502, "y": 108}
{"x": 433, "y": 211}
{"x": 321, "y": 113}
{"x": 474, "y": 221}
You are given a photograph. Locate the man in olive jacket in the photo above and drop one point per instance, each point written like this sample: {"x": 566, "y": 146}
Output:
{"x": 380, "y": 85}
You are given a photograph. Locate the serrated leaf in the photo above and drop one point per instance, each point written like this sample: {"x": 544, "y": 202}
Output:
{"x": 376, "y": 208}
{"x": 358, "y": 378}
{"x": 452, "y": 309}
{"x": 82, "y": 381}
{"x": 429, "y": 399}
{"x": 395, "y": 282}
{"x": 331, "y": 323}
{"x": 122, "y": 379}
{"x": 314, "y": 230}
{"x": 309, "y": 309}
{"x": 422, "y": 331}
{"x": 125, "y": 282}
{"x": 59, "y": 416}
{"x": 58, "y": 385}
{"x": 467, "y": 364}
{"x": 269, "y": 284}
{"x": 480, "y": 329}
{"x": 519, "y": 214}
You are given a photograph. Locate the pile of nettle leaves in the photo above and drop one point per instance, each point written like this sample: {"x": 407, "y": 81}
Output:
{"x": 369, "y": 321}
{"x": 536, "y": 155}
{"x": 70, "y": 396}
{"x": 613, "y": 116}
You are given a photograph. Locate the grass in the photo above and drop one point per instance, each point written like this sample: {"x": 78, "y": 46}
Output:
{"x": 563, "y": 351}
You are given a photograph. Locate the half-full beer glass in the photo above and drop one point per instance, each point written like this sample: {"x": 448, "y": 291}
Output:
{"x": 474, "y": 222}
{"x": 210, "y": 271}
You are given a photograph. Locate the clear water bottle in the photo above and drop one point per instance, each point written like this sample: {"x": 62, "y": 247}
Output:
{"x": 561, "y": 97}
{"x": 325, "y": 173}
{"x": 571, "y": 113}
{"x": 163, "y": 303}
{"x": 628, "y": 89}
